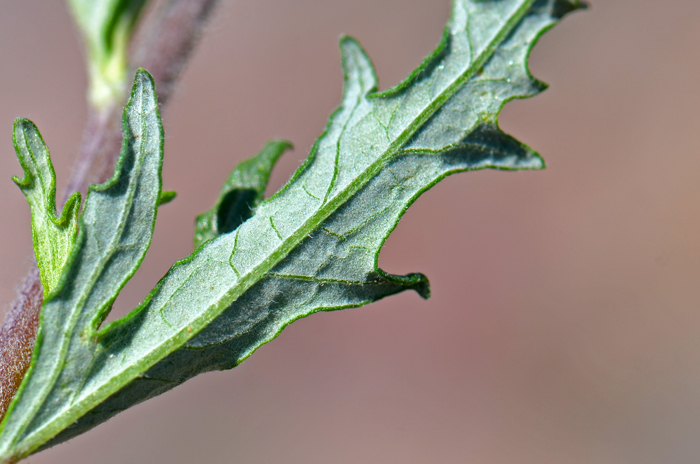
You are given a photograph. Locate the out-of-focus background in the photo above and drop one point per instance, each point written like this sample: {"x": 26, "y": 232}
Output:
{"x": 564, "y": 325}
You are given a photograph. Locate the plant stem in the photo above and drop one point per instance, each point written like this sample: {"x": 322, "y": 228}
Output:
{"x": 17, "y": 337}
{"x": 163, "y": 46}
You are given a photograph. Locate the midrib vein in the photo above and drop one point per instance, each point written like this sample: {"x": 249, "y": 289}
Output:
{"x": 115, "y": 383}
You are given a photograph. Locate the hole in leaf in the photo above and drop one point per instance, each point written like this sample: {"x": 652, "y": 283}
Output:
{"x": 235, "y": 208}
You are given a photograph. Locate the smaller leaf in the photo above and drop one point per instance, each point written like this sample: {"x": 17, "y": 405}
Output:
{"x": 242, "y": 192}
{"x": 53, "y": 237}
{"x": 107, "y": 27}
{"x": 166, "y": 197}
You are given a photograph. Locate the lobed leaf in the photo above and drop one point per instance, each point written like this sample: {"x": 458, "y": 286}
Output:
{"x": 312, "y": 247}
{"x": 53, "y": 237}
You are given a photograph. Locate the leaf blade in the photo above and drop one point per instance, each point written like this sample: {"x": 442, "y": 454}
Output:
{"x": 237, "y": 333}
{"x": 313, "y": 246}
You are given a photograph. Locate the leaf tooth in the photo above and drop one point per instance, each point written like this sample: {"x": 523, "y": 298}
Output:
{"x": 166, "y": 196}
{"x": 547, "y": 13}
{"x": 563, "y": 7}
{"x": 414, "y": 281}
{"x": 488, "y": 146}
{"x": 360, "y": 76}
{"x": 269, "y": 155}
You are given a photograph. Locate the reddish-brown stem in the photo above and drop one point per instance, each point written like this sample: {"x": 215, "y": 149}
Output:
{"x": 163, "y": 46}
{"x": 17, "y": 335}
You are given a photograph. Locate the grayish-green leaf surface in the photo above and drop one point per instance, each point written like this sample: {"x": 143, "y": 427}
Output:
{"x": 116, "y": 227}
{"x": 107, "y": 27}
{"x": 53, "y": 237}
{"x": 312, "y": 247}
{"x": 240, "y": 195}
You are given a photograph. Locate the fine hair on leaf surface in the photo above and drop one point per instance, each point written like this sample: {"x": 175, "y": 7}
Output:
{"x": 261, "y": 264}
{"x": 53, "y": 237}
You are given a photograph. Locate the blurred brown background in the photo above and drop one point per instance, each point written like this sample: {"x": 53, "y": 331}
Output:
{"x": 565, "y": 321}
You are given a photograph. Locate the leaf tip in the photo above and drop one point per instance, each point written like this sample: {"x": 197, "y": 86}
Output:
{"x": 143, "y": 78}
{"x": 22, "y": 129}
{"x": 421, "y": 285}
{"x": 348, "y": 41}
{"x": 20, "y": 122}
{"x": 564, "y": 7}
{"x": 414, "y": 281}
{"x": 280, "y": 145}
{"x": 272, "y": 151}
{"x": 71, "y": 207}
{"x": 20, "y": 182}
{"x": 538, "y": 162}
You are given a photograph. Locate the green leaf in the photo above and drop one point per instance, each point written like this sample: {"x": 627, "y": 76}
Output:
{"x": 115, "y": 231}
{"x": 312, "y": 247}
{"x": 107, "y": 27}
{"x": 53, "y": 237}
{"x": 166, "y": 197}
{"x": 240, "y": 195}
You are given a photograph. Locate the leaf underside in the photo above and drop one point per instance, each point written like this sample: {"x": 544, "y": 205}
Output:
{"x": 312, "y": 247}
